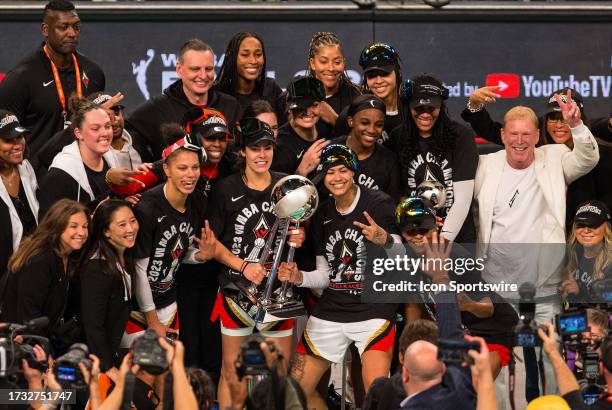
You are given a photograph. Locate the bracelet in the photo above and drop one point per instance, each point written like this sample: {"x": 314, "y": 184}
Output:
{"x": 473, "y": 109}
{"x": 243, "y": 266}
{"x": 389, "y": 242}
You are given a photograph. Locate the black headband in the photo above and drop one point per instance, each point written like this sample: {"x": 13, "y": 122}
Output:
{"x": 372, "y": 102}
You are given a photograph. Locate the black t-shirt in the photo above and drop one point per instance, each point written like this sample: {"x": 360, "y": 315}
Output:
{"x": 270, "y": 92}
{"x": 584, "y": 277}
{"x": 22, "y": 206}
{"x": 457, "y": 165}
{"x": 29, "y": 91}
{"x": 242, "y": 220}
{"x": 97, "y": 180}
{"x": 289, "y": 150}
{"x": 165, "y": 235}
{"x": 379, "y": 171}
{"x": 344, "y": 247}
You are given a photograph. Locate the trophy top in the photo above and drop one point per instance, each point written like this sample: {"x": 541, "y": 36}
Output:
{"x": 295, "y": 197}
{"x": 433, "y": 191}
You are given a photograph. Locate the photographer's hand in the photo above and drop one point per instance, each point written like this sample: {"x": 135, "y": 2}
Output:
{"x": 274, "y": 356}
{"x": 565, "y": 378}
{"x": 91, "y": 378}
{"x": 238, "y": 388}
{"x": 184, "y": 398}
{"x": 485, "y": 390}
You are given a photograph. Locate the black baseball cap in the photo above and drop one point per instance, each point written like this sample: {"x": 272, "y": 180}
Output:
{"x": 592, "y": 214}
{"x": 101, "y": 97}
{"x": 415, "y": 213}
{"x": 251, "y": 131}
{"x": 552, "y": 105}
{"x": 424, "y": 91}
{"x": 337, "y": 154}
{"x": 303, "y": 92}
{"x": 10, "y": 128}
{"x": 379, "y": 57}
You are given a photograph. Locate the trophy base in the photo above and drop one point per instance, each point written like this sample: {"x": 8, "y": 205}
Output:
{"x": 279, "y": 311}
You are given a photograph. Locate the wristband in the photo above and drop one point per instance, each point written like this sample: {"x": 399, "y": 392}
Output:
{"x": 243, "y": 266}
{"x": 389, "y": 242}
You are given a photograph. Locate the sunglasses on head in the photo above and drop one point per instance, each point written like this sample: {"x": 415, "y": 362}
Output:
{"x": 379, "y": 53}
{"x": 307, "y": 87}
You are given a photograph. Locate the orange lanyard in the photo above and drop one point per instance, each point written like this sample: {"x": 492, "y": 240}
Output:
{"x": 58, "y": 83}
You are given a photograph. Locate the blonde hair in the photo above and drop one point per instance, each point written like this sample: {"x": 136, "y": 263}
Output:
{"x": 602, "y": 260}
{"x": 522, "y": 113}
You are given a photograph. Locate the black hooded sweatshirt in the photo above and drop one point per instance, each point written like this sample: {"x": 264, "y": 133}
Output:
{"x": 144, "y": 124}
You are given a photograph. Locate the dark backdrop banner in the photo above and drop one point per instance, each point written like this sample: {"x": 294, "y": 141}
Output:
{"x": 528, "y": 59}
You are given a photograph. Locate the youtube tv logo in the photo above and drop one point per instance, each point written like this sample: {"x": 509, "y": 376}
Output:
{"x": 508, "y": 84}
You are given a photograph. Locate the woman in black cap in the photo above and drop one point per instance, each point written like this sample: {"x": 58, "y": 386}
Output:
{"x": 18, "y": 205}
{"x": 299, "y": 140}
{"x": 241, "y": 215}
{"x": 327, "y": 63}
{"x": 342, "y": 226}
{"x": 589, "y": 254}
{"x": 382, "y": 76}
{"x": 435, "y": 149}
{"x": 243, "y": 73}
{"x": 378, "y": 166}
{"x": 553, "y": 130}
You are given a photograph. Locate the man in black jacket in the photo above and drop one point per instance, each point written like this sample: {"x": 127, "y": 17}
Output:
{"x": 196, "y": 70}
{"x": 38, "y": 88}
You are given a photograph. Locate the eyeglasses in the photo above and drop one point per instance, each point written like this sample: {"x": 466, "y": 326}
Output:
{"x": 555, "y": 118}
{"x": 378, "y": 53}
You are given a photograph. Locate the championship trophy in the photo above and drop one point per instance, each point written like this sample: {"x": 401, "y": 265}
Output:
{"x": 434, "y": 192}
{"x": 294, "y": 200}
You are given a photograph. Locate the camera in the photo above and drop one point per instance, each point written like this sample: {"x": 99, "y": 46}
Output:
{"x": 526, "y": 333}
{"x": 455, "y": 352}
{"x": 149, "y": 354}
{"x": 252, "y": 359}
{"x": 12, "y": 353}
{"x": 67, "y": 369}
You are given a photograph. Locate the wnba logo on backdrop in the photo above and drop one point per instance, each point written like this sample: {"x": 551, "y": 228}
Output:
{"x": 141, "y": 72}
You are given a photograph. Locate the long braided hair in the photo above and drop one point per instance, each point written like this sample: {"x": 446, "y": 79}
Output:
{"x": 442, "y": 135}
{"x": 228, "y": 74}
{"x": 327, "y": 39}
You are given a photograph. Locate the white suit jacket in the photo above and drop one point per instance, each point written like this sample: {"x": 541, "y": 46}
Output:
{"x": 555, "y": 167}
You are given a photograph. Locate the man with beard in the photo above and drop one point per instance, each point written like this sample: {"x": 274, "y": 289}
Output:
{"x": 38, "y": 88}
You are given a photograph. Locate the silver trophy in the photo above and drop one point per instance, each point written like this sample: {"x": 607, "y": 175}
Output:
{"x": 294, "y": 199}
{"x": 434, "y": 192}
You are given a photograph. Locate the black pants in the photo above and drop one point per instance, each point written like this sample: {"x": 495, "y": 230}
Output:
{"x": 201, "y": 337}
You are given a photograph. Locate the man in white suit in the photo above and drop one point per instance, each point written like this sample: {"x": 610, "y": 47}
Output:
{"x": 520, "y": 195}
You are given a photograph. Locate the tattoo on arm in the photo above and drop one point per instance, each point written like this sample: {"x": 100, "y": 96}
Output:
{"x": 297, "y": 367}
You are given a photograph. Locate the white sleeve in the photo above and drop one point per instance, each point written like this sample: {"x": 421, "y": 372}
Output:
{"x": 583, "y": 158}
{"x": 190, "y": 256}
{"x": 318, "y": 278}
{"x": 144, "y": 296}
{"x": 464, "y": 191}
